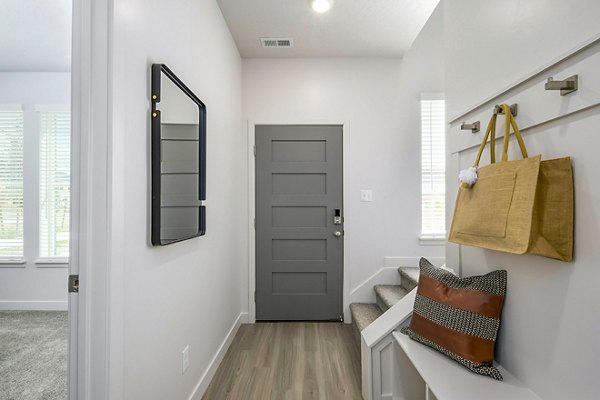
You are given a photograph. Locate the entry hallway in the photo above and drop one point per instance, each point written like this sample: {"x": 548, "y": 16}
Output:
{"x": 289, "y": 360}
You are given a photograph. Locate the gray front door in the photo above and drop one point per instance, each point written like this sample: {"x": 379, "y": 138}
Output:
{"x": 299, "y": 258}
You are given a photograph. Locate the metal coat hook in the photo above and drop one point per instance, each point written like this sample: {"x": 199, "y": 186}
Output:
{"x": 514, "y": 109}
{"x": 566, "y": 86}
{"x": 474, "y": 127}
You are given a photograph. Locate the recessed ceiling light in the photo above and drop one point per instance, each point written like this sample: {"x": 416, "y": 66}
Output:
{"x": 321, "y": 6}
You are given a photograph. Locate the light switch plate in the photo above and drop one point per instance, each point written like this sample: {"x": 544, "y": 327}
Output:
{"x": 366, "y": 195}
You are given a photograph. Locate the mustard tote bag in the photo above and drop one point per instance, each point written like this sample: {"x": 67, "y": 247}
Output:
{"x": 519, "y": 206}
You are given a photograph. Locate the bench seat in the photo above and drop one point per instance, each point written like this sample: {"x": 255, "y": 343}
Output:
{"x": 448, "y": 380}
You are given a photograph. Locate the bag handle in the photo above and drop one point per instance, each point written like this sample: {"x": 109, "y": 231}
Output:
{"x": 511, "y": 120}
{"x": 490, "y": 133}
{"x": 490, "y": 130}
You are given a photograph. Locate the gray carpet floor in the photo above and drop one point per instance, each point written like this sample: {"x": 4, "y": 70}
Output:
{"x": 33, "y": 355}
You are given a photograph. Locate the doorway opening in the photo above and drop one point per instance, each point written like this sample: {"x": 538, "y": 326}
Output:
{"x": 35, "y": 198}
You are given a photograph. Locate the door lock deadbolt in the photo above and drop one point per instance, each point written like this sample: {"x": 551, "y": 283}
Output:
{"x": 337, "y": 216}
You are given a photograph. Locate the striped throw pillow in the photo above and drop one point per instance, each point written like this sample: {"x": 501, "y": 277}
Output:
{"x": 459, "y": 317}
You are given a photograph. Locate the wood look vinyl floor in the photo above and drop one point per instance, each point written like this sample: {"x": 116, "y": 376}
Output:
{"x": 289, "y": 360}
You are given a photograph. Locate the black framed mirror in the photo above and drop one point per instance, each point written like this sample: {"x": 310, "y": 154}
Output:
{"x": 178, "y": 159}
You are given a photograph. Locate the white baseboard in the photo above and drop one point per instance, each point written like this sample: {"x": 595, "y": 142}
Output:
{"x": 6, "y": 305}
{"x": 411, "y": 261}
{"x": 210, "y": 371}
{"x": 364, "y": 293}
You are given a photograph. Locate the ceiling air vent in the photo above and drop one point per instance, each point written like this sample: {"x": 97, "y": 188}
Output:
{"x": 276, "y": 42}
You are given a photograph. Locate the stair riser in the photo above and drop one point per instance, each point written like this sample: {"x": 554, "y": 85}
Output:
{"x": 356, "y": 334}
{"x": 381, "y": 304}
{"x": 407, "y": 282}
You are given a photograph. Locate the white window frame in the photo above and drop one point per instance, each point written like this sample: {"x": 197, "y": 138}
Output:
{"x": 17, "y": 261}
{"x": 45, "y": 261}
{"x": 428, "y": 238}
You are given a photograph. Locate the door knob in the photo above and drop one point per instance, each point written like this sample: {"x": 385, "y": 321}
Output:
{"x": 337, "y": 233}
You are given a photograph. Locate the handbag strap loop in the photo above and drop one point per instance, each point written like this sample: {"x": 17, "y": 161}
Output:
{"x": 490, "y": 133}
{"x": 510, "y": 121}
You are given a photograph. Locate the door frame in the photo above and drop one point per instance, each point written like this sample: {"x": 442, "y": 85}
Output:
{"x": 92, "y": 373}
{"x": 251, "y": 127}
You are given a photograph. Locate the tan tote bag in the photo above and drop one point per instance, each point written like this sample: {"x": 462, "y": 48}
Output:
{"x": 519, "y": 206}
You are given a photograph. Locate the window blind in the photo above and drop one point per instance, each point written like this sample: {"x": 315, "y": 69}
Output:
{"x": 433, "y": 167}
{"x": 55, "y": 162}
{"x": 11, "y": 183}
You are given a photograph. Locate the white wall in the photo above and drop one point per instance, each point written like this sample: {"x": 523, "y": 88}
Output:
{"x": 489, "y": 45}
{"x": 188, "y": 293}
{"x": 549, "y": 331}
{"x": 379, "y": 100}
{"x": 33, "y": 286}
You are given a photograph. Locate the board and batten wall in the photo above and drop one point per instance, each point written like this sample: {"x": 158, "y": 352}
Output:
{"x": 551, "y": 320}
{"x": 378, "y": 101}
{"x": 33, "y": 285}
{"x": 189, "y": 293}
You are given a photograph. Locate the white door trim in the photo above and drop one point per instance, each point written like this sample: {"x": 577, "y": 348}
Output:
{"x": 79, "y": 64}
{"x": 252, "y": 206}
{"x": 90, "y": 252}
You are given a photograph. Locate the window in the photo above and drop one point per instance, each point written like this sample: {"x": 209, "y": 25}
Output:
{"x": 11, "y": 184}
{"x": 433, "y": 165}
{"x": 35, "y": 155}
{"x": 55, "y": 156}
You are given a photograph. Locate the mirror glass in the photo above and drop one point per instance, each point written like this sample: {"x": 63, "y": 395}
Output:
{"x": 178, "y": 179}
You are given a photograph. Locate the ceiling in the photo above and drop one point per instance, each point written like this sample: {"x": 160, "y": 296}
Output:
{"x": 35, "y": 35}
{"x": 351, "y": 28}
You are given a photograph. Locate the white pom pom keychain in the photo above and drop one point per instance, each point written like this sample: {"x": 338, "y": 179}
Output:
{"x": 468, "y": 176}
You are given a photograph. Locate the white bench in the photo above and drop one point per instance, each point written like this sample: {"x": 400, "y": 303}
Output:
{"x": 444, "y": 379}
{"x": 395, "y": 367}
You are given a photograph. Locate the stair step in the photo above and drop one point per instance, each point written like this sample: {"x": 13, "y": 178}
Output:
{"x": 388, "y": 295}
{"x": 409, "y": 277}
{"x": 363, "y": 314}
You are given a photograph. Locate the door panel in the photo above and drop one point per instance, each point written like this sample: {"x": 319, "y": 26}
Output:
{"x": 290, "y": 184}
{"x": 299, "y": 260}
{"x": 299, "y": 217}
{"x": 298, "y": 150}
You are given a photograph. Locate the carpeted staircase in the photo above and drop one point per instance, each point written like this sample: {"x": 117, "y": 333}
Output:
{"x": 387, "y": 295}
